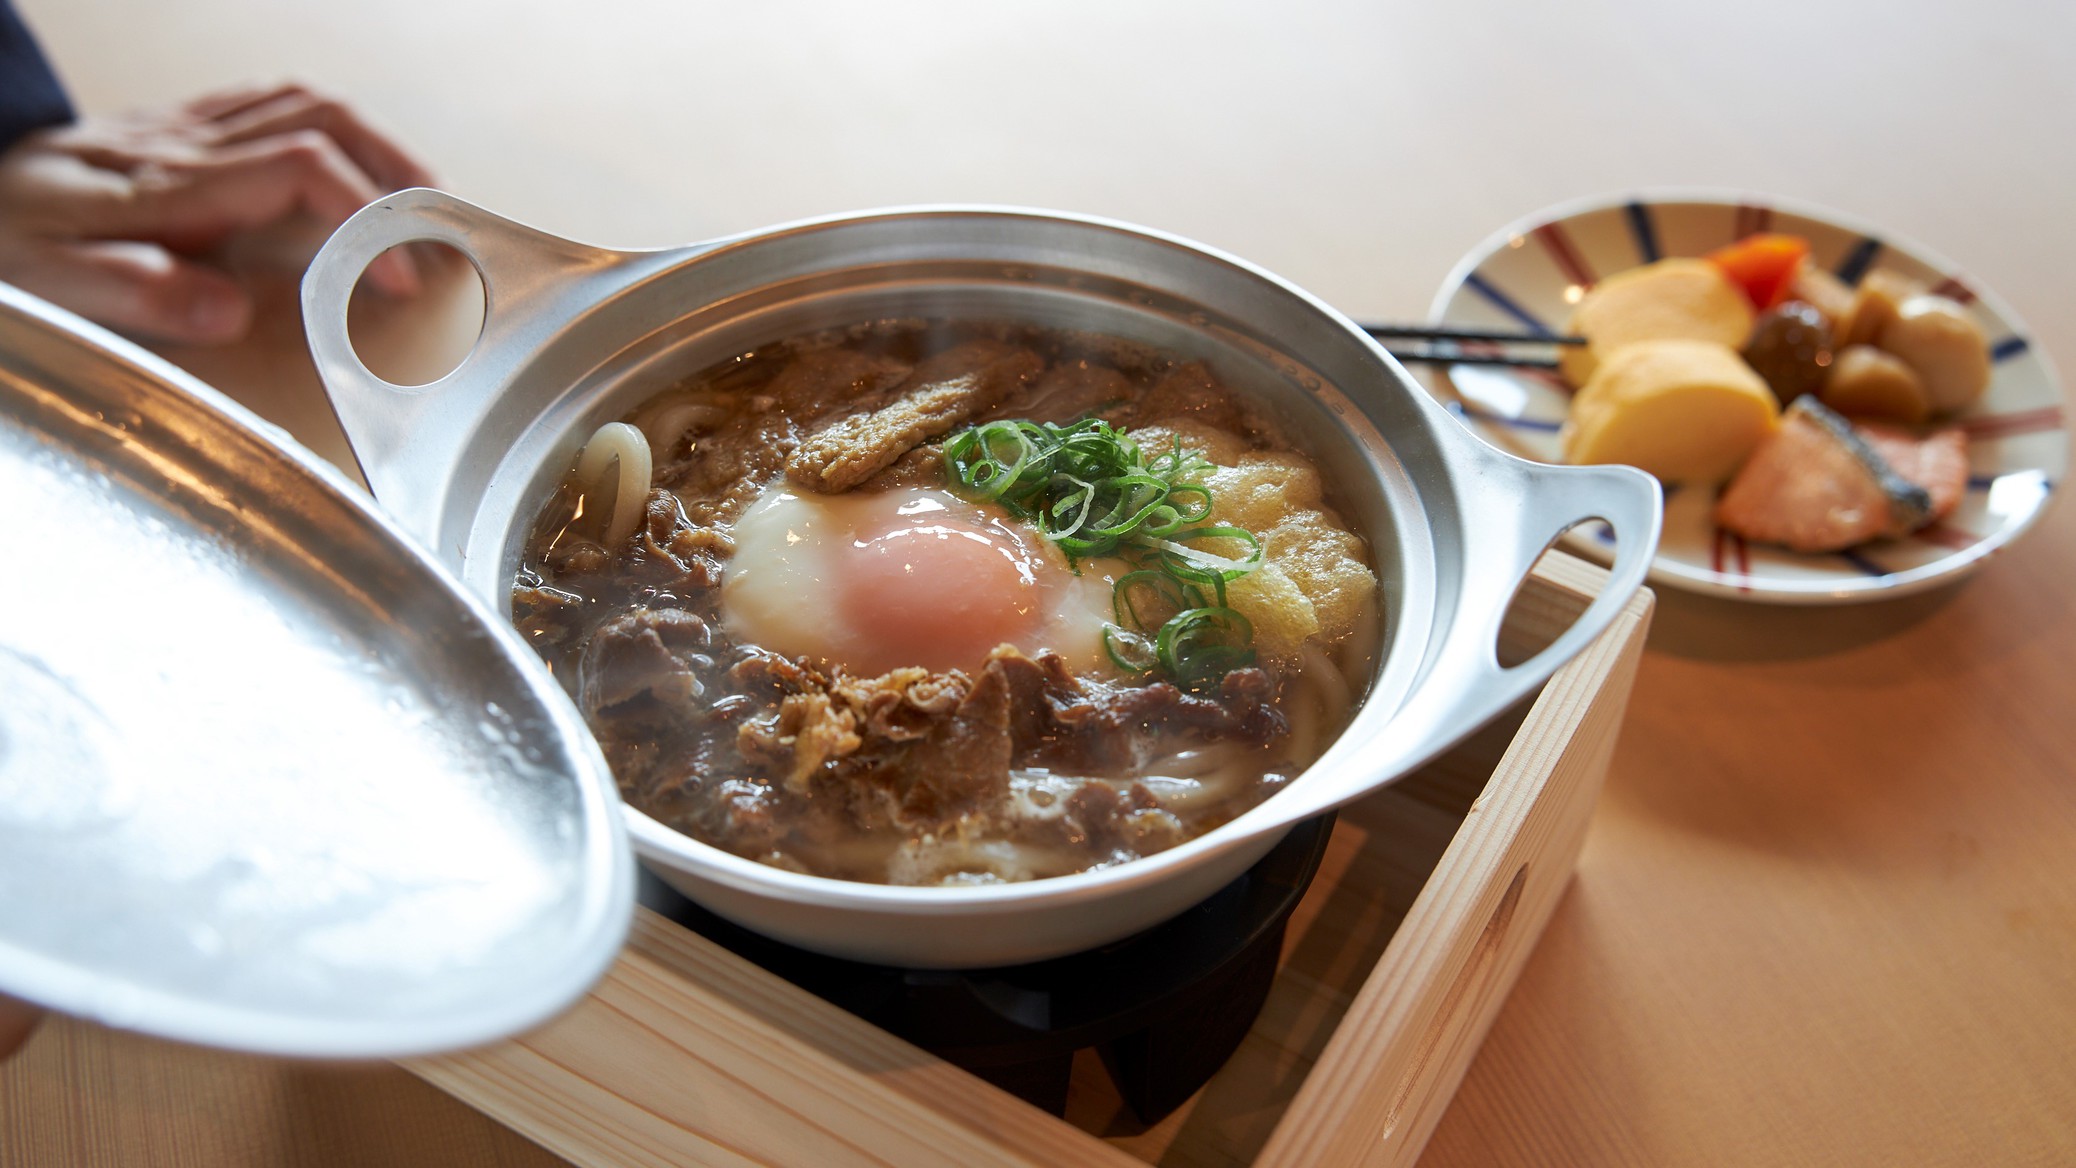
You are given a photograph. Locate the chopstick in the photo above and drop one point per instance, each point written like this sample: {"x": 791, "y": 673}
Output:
{"x": 1437, "y": 332}
{"x": 1482, "y": 359}
{"x": 1456, "y": 336}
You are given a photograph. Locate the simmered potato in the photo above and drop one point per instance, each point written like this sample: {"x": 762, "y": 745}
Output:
{"x": 1686, "y": 411}
{"x": 1875, "y": 303}
{"x": 1934, "y": 336}
{"x": 1830, "y": 294}
{"x": 1868, "y": 383}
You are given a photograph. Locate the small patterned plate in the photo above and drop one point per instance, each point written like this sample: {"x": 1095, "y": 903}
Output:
{"x": 1529, "y": 274}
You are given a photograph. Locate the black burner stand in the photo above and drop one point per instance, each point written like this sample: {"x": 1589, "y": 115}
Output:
{"x": 1165, "y": 1008}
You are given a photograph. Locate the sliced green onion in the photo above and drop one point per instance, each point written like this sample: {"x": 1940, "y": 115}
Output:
{"x": 1202, "y": 645}
{"x": 1091, "y": 490}
{"x": 1129, "y": 651}
{"x": 1205, "y": 567}
{"x": 1167, "y": 593}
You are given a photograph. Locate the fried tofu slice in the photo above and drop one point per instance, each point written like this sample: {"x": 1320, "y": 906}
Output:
{"x": 1314, "y": 584}
{"x": 944, "y": 392}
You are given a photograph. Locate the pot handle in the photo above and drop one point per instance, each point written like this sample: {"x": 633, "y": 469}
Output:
{"x": 408, "y": 438}
{"x": 1511, "y": 511}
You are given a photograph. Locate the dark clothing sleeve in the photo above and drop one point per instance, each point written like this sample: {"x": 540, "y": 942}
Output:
{"x": 30, "y": 96}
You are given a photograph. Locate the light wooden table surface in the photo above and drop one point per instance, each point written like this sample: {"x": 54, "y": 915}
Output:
{"x": 1827, "y": 912}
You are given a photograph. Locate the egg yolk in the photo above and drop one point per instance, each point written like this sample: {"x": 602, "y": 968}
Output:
{"x": 935, "y": 589}
{"x": 879, "y": 581}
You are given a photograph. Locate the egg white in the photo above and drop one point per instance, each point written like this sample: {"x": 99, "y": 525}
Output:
{"x": 783, "y": 586}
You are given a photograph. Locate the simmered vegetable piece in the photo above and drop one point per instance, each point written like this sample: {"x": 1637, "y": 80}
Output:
{"x": 1875, "y": 303}
{"x": 1686, "y": 411}
{"x": 1934, "y": 336}
{"x": 1764, "y": 266}
{"x": 1831, "y": 295}
{"x": 1677, "y": 299}
{"x": 1868, "y": 383}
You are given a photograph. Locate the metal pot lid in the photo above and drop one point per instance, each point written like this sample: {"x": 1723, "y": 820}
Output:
{"x": 269, "y": 779}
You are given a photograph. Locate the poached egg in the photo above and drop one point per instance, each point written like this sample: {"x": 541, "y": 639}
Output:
{"x": 908, "y": 577}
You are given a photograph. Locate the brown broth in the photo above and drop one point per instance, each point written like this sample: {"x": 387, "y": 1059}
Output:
{"x": 1014, "y": 769}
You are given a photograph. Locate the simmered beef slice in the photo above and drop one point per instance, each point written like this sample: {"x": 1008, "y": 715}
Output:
{"x": 546, "y": 614}
{"x": 959, "y": 765}
{"x": 1066, "y": 725}
{"x": 727, "y": 469}
{"x": 818, "y": 383}
{"x": 906, "y": 704}
{"x": 1068, "y": 391}
{"x": 911, "y": 748}
{"x": 669, "y": 552}
{"x": 778, "y": 750}
{"x": 674, "y": 778}
{"x": 647, "y": 664}
{"x": 1039, "y": 691}
{"x": 792, "y": 743}
{"x": 1133, "y": 821}
{"x": 943, "y": 392}
{"x": 666, "y": 561}
{"x": 762, "y": 673}
{"x": 1187, "y": 391}
{"x": 578, "y": 557}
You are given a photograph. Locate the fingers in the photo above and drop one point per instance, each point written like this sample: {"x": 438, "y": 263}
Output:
{"x": 226, "y": 102}
{"x": 139, "y": 288}
{"x": 256, "y": 183}
{"x": 298, "y": 109}
{"x": 98, "y": 222}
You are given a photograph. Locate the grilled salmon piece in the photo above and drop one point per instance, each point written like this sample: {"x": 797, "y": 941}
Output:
{"x": 1815, "y": 485}
{"x": 1937, "y": 462}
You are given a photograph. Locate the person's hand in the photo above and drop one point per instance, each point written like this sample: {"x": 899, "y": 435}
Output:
{"x": 106, "y": 216}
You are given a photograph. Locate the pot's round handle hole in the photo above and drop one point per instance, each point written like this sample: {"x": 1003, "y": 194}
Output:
{"x": 1536, "y": 617}
{"x": 413, "y": 338}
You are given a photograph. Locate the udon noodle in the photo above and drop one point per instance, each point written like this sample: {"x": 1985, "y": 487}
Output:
{"x": 622, "y": 451}
{"x": 930, "y": 603}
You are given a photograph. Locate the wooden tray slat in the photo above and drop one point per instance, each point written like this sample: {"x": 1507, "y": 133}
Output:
{"x": 1403, "y": 1047}
{"x": 686, "y": 1053}
{"x": 1431, "y": 894}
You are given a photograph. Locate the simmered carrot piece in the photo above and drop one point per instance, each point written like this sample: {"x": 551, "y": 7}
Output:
{"x": 1763, "y": 265}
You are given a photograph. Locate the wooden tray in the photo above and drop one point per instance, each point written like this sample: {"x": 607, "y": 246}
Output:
{"x": 1431, "y": 895}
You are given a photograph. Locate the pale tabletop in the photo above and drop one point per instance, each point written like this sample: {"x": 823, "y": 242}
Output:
{"x": 1827, "y": 910}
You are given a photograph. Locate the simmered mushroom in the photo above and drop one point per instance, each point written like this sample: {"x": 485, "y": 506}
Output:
{"x": 1791, "y": 349}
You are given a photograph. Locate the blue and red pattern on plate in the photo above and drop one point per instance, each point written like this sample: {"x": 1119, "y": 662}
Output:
{"x": 1530, "y": 273}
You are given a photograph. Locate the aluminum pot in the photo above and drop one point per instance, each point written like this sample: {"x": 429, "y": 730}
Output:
{"x": 574, "y": 336}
